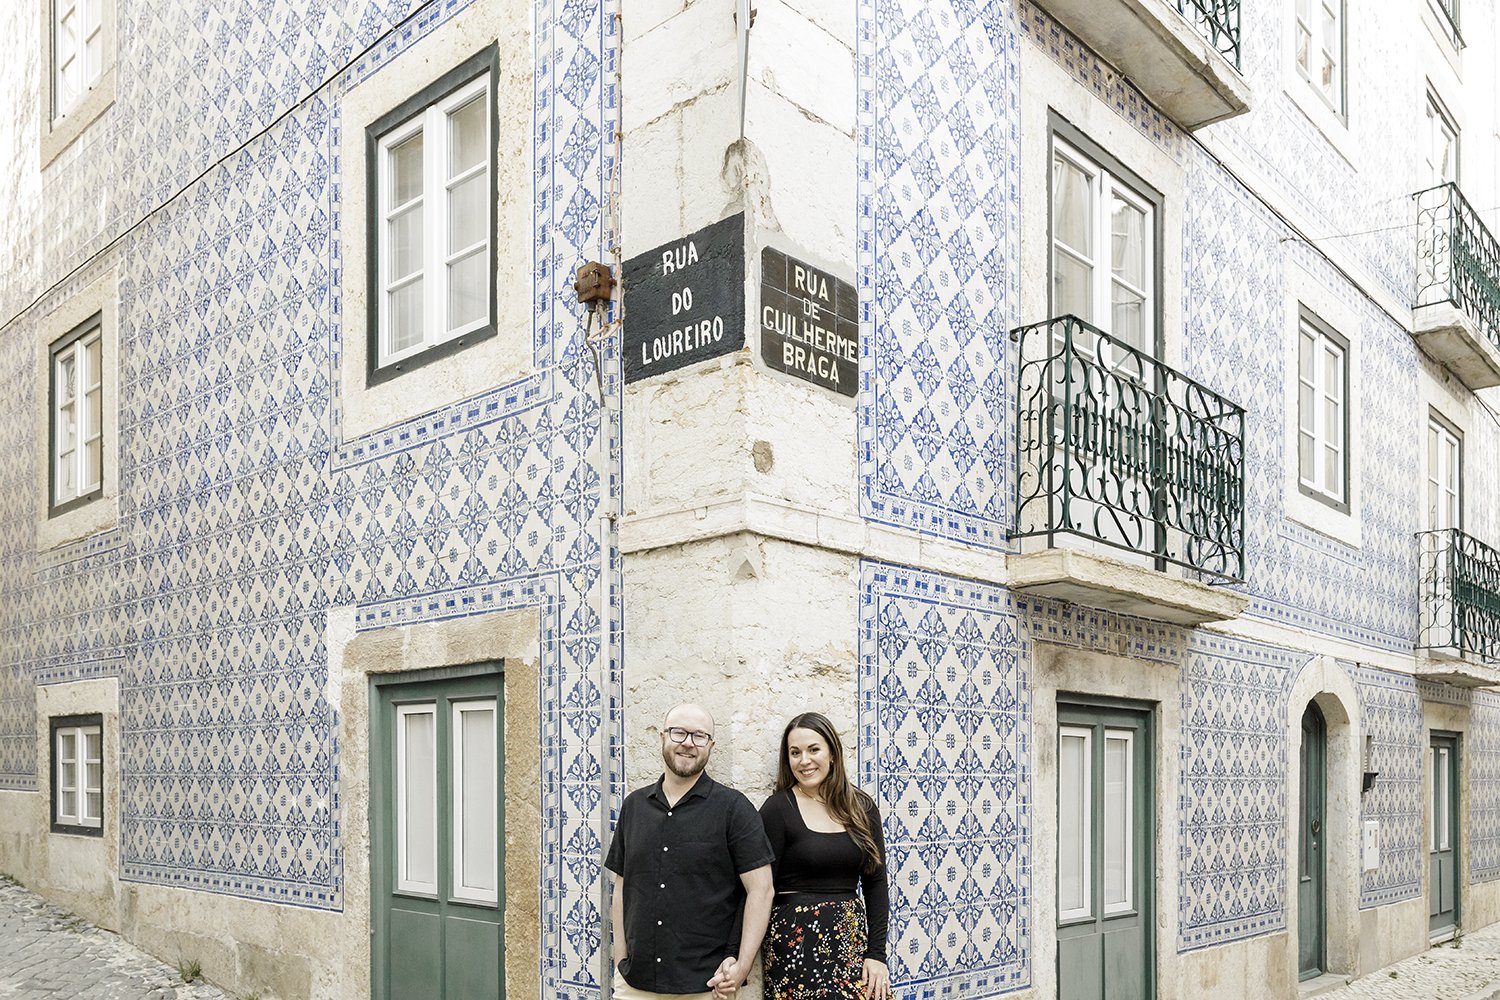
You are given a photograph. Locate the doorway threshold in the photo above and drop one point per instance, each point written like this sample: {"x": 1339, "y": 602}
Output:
{"x": 1442, "y": 937}
{"x": 1320, "y": 984}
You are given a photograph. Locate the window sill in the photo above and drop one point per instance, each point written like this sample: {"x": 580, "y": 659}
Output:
{"x": 1315, "y": 515}
{"x": 60, "y": 133}
{"x": 66, "y": 830}
{"x": 74, "y": 524}
{"x": 1333, "y": 125}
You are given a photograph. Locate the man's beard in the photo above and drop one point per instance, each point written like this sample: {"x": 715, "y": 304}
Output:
{"x": 681, "y": 767}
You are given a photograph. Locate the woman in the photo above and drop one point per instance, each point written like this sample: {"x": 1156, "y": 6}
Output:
{"x": 822, "y": 944}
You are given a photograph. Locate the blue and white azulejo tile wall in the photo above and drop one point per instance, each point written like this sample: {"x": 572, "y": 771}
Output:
{"x": 945, "y": 745}
{"x": 246, "y": 515}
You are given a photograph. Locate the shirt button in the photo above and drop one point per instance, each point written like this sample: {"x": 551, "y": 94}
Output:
{"x": 658, "y": 923}
{"x": 658, "y": 960}
{"x": 664, "y": 885}
{"x": 669, "y": 812}
{"x": 664, "y": 848}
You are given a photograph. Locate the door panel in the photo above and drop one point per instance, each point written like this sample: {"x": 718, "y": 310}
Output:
{"x": 1442, "y": 857}
{"x": 1310, "y": 852}
{"x": 1104, "y": 835}
{"x": 437, "y": 838}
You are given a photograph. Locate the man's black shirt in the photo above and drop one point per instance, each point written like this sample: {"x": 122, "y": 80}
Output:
{"x": 683, "y": 897}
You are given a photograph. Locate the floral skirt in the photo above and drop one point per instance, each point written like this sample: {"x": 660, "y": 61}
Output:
{"x": 816, "y": 951}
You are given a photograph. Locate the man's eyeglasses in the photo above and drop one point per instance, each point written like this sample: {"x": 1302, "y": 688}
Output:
{"x": 679, "y": 735}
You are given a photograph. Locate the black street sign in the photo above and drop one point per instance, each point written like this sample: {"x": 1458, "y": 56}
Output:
{"x": 685, "y": 300}
{"x": 809, "y": 323}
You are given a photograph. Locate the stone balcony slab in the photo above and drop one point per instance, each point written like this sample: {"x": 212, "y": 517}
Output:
{"x": 1161, "y": 52}
{"x": 1099, "y": 581}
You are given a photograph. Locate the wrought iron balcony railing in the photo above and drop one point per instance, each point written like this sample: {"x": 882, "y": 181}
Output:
{"x": 1458, "y": 259}
{"x": 1218, "y": 21}
{"x": 1448, "y": 16}
{"x": 1460, "y": 594}
{"x": 1116, "y": 447}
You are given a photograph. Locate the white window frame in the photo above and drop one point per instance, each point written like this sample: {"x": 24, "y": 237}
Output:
{"x": 1128, "y": 738}
{"x": 75, "y": 56}
{"x": 79, "y": 785}
{"x": 1445, "y": 450}
{"x": 404, "y": 883}
{"x": 1309, "y": 20}
{"x": 87, "y": 481}
{"x": 1104, "y": 186}
{"x": 1085, "y": 828}
{"x": 461, "y": 890}
{"x": 1315, "y": 426}
{"x": 1439, "y": 122}
{"x": 436, "y": 184}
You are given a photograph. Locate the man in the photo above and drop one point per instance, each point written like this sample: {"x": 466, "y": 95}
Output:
{"x": 692, "y": 869}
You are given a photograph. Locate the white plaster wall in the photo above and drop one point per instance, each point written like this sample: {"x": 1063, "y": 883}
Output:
{"x": 755, "y": 629}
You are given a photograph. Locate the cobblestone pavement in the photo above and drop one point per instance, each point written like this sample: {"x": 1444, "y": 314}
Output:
{"x": 49, "y": 954}
{"x": 1468, "y": 970}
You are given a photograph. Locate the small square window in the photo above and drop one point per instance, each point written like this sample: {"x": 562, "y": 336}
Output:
{"x": 76, "y": 412}
{"x": 78, "y": 51}
{"x": 1322, "y": 413}
{"x": 78, "y": 774}
{"x": 1319, "y": 48}
{"x": 432, "y": 170}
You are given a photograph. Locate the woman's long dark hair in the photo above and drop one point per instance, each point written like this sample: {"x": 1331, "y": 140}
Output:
{"x": 846, "y": 802}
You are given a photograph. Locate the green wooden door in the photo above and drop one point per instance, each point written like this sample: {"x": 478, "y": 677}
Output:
{"x": 1104, "y": 836}
{"x": 437, "y": 844}
{"x": 1442, "y": 857}
{"x": 1311, "y": 865}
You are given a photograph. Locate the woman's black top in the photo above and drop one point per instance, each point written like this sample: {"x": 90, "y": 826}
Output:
{"x": 826, "y": 866}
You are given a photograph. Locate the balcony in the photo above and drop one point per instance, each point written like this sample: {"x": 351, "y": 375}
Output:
{"x": 1459, "y": 610}
{"x": 1183, "y": 54}
{"x": 1456, "y": 312}
{"x": 1130, "y": 485}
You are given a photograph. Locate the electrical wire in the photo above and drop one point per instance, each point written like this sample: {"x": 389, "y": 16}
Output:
{"x": 1300, "y": 236}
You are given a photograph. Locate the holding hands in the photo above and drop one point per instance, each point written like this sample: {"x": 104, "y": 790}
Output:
{"x": 728, "y": 979}
{"x": 876, "y": 981}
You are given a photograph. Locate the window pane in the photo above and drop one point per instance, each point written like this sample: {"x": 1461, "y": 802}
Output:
{"x": 406, "y": 244}
{"x": 1073, "y": 824}
{"x": 466, "y": 141}
{"x": 1128, "y": 319}
{"x": 1305, "y": 448}
{"x": 94, "y": 806}
{"x": 1071, "y": 287}
{"x": 1128, "y": 243}
{"x": 1304, "y": 44}
{"x": 1333, "y": 373}
{"x": 94, "y": 407}
{"x": 1072, "y": 207}
{"x": 468, "y": 221}
{"x": 92, "y": 363}
{"x": 1117, "y": 778}
{"x": 468, "y": 291}
{"x": 406, "y": 171}
{"x": 67, "y": 750}
{"x": 478, "y": 839}
{"x": 1333, "y": 471}
{"x": 418, "y": 798}
{"x": 93, "y": 775}
{"x": 67, "y": 376}
{"x": 1306, "y": 356}
{"x": 67, "y": 429}
{"x": 92, "y": 10}
{"x": 1306, "y": 410}
{"x": 406, "y": 316}
{"x": 93, "y": 464}
{"x": 67, "y": 804}
{"x": 93, "y": 59}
